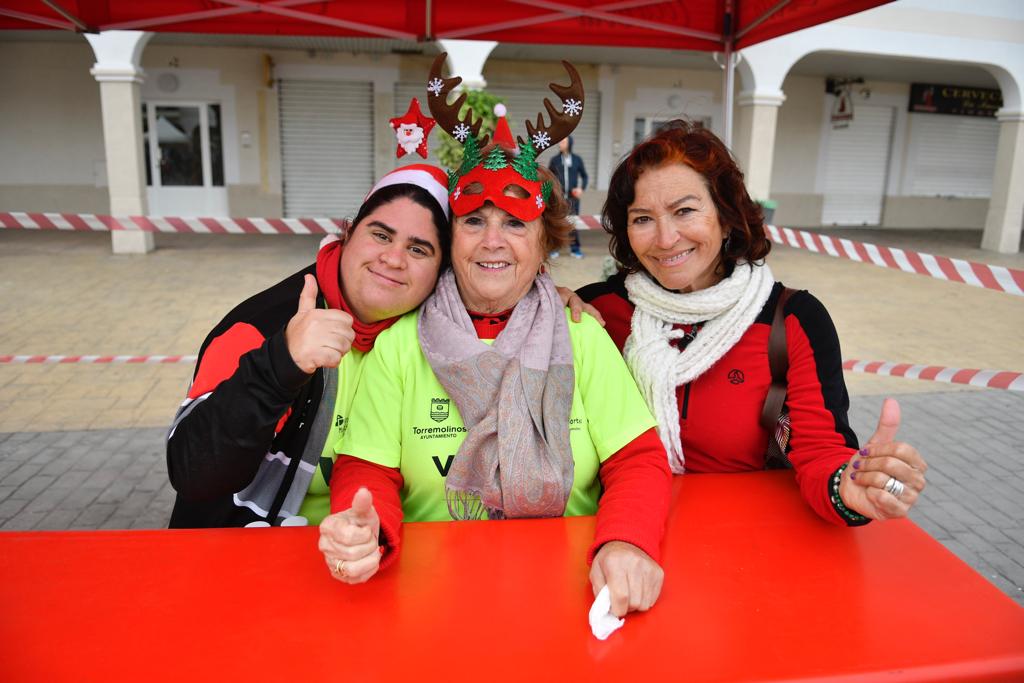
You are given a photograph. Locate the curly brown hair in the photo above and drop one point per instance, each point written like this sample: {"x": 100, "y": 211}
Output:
{"x": 685, "y": 142}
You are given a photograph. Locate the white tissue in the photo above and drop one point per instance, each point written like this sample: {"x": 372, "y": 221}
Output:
{"x": 602, "y": 622}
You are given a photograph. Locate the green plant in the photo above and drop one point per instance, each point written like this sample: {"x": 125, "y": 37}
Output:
{"x": 481, "y": 103}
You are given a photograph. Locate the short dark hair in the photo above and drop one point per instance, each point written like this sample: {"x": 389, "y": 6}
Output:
{"x": 390, "y": 193}
{"x": 686, "y": 142}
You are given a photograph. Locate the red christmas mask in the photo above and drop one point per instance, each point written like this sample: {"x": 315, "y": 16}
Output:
{"x": 502, "y": 187}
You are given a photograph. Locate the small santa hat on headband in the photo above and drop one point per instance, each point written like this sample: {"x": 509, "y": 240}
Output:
{"x": 502, "y": 133}
{"x": 430, "y": 178}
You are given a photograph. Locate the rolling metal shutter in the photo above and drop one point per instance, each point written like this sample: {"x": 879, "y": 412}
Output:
{"x": 522, "y": 104}
{"x": 951, "y": 156}
{"x": 856, "y": 168}
{"x": 326, "y": 146}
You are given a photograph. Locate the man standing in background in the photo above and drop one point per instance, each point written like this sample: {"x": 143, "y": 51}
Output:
{"x": 569, "y": 170}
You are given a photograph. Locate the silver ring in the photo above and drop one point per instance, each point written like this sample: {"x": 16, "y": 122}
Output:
{"x": 895, "y": 487}
{"x": 339, "y": 568}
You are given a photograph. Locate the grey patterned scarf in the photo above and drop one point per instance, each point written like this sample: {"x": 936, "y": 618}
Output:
{"x": 514, "y": 397}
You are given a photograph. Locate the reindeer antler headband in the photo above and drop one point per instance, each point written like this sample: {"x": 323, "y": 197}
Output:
{"x": 497, "y": 171}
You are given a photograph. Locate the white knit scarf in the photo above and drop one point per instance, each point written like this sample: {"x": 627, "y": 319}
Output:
{"x": 727, "y": 309}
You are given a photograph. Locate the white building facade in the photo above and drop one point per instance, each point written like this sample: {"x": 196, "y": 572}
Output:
{"x": 131, "y": 123}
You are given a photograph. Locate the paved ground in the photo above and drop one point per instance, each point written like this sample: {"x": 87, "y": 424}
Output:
{"x": 82, "y": 446}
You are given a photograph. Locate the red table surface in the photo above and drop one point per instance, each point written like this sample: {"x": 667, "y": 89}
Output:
{"x": 757, "y": 588}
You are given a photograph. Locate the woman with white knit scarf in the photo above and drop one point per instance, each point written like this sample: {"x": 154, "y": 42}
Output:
{"x": 692, "y": 307}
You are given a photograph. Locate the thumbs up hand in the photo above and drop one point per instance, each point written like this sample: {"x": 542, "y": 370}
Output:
{"x": 317, "y": 337}
{"x": 886, "y": 477}
{"x": 348, "y": 540}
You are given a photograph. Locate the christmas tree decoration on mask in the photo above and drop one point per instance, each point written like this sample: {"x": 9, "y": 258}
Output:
{"x": 412, "y": 130}
{"x": 506, "y": 174}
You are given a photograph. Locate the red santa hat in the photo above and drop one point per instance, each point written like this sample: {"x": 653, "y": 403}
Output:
{"x": 431, "y": 178}
{"x": 502, "y": 133}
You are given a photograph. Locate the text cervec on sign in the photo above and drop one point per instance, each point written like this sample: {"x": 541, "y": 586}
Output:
{"x": 932, "y": 98}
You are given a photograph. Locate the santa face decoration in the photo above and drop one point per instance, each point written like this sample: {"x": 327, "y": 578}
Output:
{"x": 412, "y": 130}
{"x": 410, "y": 136}
{"x": 507, "y": 177}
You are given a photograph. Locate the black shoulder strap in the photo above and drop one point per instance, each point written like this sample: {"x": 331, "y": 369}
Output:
{"x": 778, "y": 361}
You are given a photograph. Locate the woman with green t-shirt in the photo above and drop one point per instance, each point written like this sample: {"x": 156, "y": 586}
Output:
{"x": 487, "y": 404}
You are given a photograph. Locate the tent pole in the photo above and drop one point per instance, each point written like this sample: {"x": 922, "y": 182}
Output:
{"x": 728, "y": 32}
{"x": 727, "y": 94}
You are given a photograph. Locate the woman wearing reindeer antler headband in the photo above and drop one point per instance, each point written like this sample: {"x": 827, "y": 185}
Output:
{"x": 487, "y": 403}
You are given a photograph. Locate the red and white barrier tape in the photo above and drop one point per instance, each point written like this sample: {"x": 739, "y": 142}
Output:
{"x": 587, "y": 222}
{"x": 237, "y": 226}
{"x": 991, "y": 379}
{"x": 148, "y": 360}
{"x": 999, "y": 278}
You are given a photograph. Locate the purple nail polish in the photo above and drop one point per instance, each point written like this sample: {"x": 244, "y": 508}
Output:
{"x": 856, "y": 464}
{"x": 863, "y": 451}
{"x": 853, "y": 476}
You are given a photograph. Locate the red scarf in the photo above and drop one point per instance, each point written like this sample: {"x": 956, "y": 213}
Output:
{"x": 328, "y": 277}
{"x": 489, "y": 325}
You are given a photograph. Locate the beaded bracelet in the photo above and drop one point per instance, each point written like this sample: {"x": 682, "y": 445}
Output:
{"x": 849, "y": 516}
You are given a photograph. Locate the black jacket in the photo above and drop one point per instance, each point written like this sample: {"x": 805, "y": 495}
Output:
{"x": 247, "y": 399}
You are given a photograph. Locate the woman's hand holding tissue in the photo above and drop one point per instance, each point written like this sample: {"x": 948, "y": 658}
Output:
{"x": 633, "y": 578}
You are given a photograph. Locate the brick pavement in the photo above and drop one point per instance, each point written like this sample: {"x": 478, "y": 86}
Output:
{"x": 974, "y": 501}
{"x": 82, "y": 446}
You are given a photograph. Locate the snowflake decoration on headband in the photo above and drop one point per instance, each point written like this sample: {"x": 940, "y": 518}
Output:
{"x": 434, "y": 86}
{"x": 541, "y": 140}
{"x": 461, "y": 132}
{"x": 572, "y": 107}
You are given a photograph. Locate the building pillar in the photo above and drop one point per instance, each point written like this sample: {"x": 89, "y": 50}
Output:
{"x": 1006, "y": 206}
{"x": 466, "y": 58}
{"x": 608, "y": 150}
{"x": 754, "y": 142}
{"x": 117, "y": 70}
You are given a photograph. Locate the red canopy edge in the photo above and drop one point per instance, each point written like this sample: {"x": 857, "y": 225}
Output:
{"x": 672, "y": 24}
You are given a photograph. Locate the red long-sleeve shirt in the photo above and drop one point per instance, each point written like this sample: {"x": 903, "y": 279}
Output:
{"x": 719, "y": 412}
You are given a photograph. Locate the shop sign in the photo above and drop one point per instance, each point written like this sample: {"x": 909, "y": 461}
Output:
{"x": 842, "y": 108}
{"x": 958, "y": 100}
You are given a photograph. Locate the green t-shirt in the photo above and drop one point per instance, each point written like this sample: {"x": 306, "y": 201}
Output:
{"x": 403, "y": 418}
{"x": 317, "y": 503}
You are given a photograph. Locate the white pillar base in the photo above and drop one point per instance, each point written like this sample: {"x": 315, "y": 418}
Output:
{"x": 131, "y": 241}
{"x": 1003, "y": 223}
{"x": 117, "y": 70}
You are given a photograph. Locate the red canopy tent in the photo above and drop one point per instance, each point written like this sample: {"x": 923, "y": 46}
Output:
{"x": 704, "y": 25}
{"x": 707, "y": 25}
